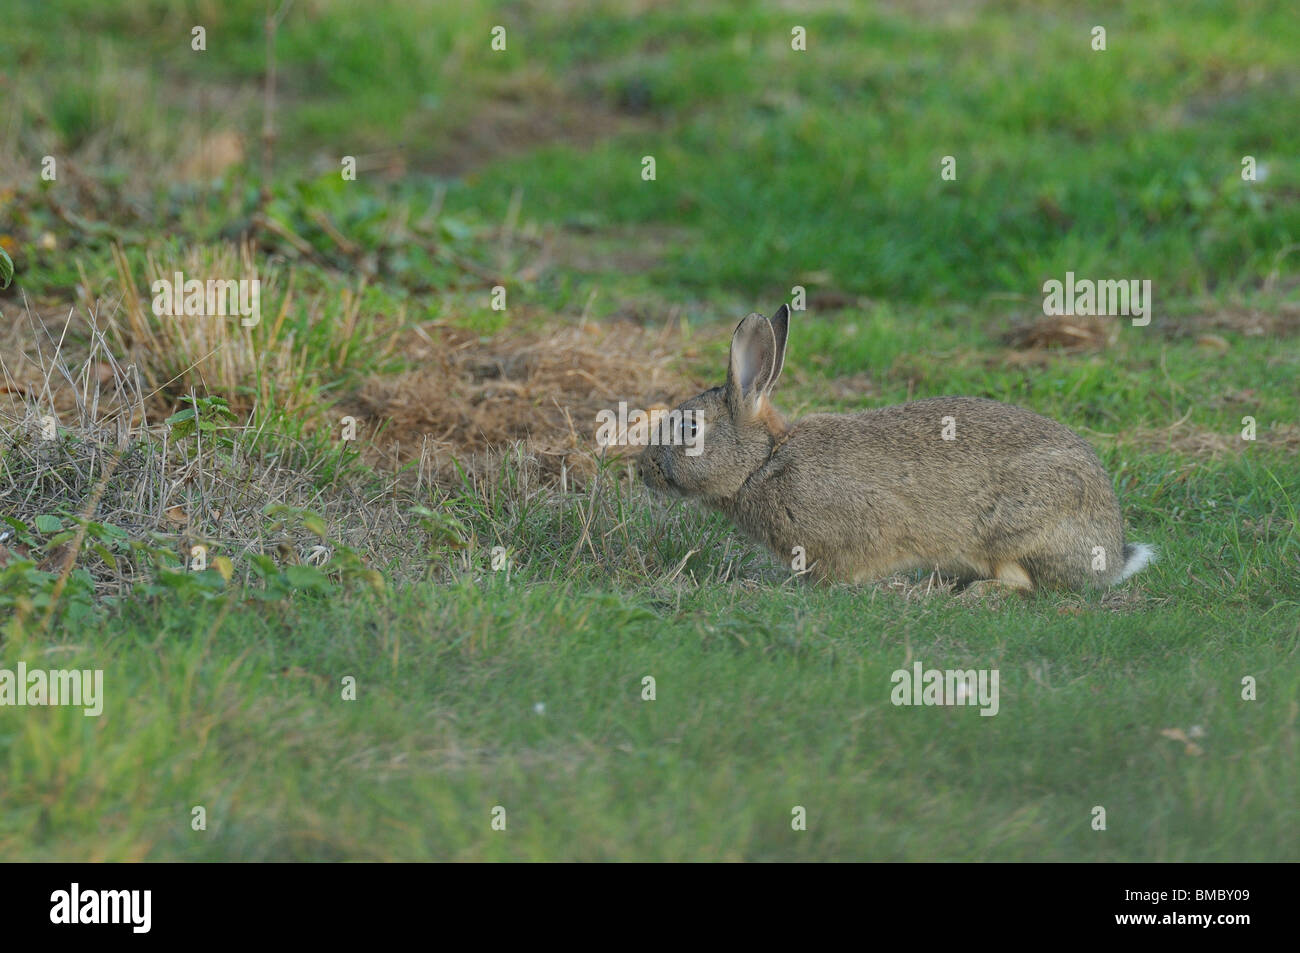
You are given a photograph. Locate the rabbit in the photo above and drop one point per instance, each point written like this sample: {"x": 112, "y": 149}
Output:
{"x": 1011, "y": 496}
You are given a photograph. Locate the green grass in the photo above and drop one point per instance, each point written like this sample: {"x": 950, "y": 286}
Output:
{"x": 765, "y": 700}
{"x": 827, "y": 162}
{"x": 775, "y": 168}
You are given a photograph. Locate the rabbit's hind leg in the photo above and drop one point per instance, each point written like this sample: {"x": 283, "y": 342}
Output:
{"x": 1013, "y": 575}
{"x": 1007, "y": 577}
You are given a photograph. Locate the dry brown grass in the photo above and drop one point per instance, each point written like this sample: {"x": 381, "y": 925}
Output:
{"x": 471, "y": 397}
{"x": 112, "y": 461}
{"x": 1065, "y": 332}
{"x": 1280, "y": 320}
{"x": 527, "y": 110}
{"x": 1198, "y": 442}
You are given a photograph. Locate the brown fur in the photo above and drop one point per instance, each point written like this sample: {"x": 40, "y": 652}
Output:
{"x": 1015, "y": 497}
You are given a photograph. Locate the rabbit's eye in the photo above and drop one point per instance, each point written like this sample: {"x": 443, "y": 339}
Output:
{"x": 688, "y": 428}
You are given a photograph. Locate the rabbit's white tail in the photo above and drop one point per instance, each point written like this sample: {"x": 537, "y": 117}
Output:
{"x": 1137, "y": 556}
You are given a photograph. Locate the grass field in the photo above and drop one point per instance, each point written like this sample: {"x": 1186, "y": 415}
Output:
{"x": 388, "y": 638}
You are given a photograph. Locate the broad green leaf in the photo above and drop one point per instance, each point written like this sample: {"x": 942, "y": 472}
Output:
{"x": 45, "y": 523}
{"x": 307, "y": 577}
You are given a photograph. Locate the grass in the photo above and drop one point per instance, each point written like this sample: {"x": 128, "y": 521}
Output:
{"x": 243, "y": 715}
{"x": 521, "y": 686}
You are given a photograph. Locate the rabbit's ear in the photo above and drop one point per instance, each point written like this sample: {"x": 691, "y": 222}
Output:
{"x": 780, "y": 325}
{"x": 753, "y": 358}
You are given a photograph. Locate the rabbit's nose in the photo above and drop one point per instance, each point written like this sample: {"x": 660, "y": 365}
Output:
{"x": 648, "y": 469}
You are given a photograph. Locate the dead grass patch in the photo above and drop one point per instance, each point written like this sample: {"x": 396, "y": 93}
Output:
{"x": 524, "y": 112}
{"x": 1192, "y": 441}
{"x": 1064, "y": 332}
{"x": 1281, "y": 320}
{"x": 78, "y": 441}
{"x": 471, "y": 397}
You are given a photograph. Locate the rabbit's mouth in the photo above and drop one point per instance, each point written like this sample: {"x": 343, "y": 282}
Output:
{"x": 653, "y": 473}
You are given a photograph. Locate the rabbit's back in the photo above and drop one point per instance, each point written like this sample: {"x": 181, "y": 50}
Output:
{"x": 970, "y": 486}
